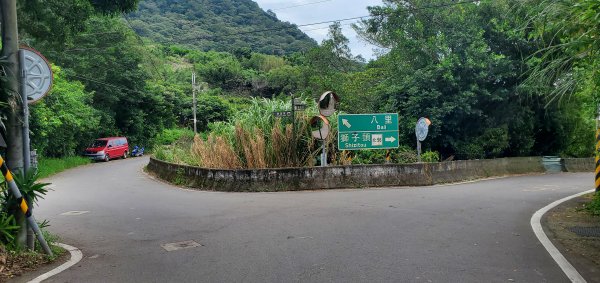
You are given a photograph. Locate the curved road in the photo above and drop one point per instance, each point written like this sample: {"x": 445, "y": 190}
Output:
{"x": 473, "y": 232}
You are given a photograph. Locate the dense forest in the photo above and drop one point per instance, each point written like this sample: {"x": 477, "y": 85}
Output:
{"x": 496, "y": 78}
{"x": 221, "y": 25}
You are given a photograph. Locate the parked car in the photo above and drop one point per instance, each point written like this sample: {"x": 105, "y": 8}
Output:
{"x": 108, "y": 148}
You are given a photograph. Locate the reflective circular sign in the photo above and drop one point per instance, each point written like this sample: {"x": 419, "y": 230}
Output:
{"x": 321, "y": 124}
{"x": 327, "y": 103}
{"x": 38, "y": 74}
{"x": 422, "y": 128}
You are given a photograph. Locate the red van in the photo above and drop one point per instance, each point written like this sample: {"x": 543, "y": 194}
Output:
{"x": 108, "y": 148}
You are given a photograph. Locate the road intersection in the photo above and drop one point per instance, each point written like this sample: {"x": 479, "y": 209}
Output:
{"x": 470, "y": 232}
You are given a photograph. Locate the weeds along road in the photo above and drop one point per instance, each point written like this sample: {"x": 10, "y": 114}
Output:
{"x": 475, "y": 232}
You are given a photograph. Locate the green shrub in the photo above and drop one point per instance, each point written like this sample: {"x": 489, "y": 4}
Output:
{"x": 430, "y": 156}
{"x": 8, "y": 228}
{"x": 170, "y": 136}
{"x": 593, "y": 207}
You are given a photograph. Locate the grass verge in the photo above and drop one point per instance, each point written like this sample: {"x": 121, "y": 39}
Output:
{"x": 593, "y": 207}
{"x": 51, "y": 166}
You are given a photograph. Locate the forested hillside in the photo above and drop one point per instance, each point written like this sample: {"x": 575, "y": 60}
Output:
{"x": 222, "y": 25}
{"x": 496, "y": 79}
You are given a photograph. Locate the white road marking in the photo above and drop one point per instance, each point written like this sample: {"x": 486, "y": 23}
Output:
{"x": 75, "y": 212}
{"x": 562, "y": 262}
{"x": 76, "y": 256}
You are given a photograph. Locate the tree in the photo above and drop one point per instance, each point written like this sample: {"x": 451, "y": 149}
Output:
{"x": 55, "y": 22}
{"x": 461, "y": 66}
{"x": 117, "y": 74}
{"x": 64, "y": 122}
{"x": 569, "y": 39}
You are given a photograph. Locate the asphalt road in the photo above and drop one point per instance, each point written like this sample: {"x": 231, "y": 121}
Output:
{"x": 472, "y": 232}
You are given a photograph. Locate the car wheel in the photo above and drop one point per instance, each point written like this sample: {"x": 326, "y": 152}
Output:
{"x": 106, "y": 158}
{"x": 125, "y": 155}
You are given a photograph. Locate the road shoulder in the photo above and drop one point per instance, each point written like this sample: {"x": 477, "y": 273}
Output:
{"x": 583, "y": 252}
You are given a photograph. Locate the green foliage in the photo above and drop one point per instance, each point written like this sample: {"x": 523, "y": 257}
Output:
{"x": 31, "y": 189}
{"x": 569, "y": 42}
{"x": 64, "y": 122}
{"x": 430, "y": 156}
{"x": 170, "y": 136}
{"x": 206, "y": 25}
{"x": 178, "y": 152}
{"x": 468, "y": 67}
{"x": 8, "y": 228}
{"x": 224, "y": 72}
{"x": 50, "y": 166}
{"x": 462, "y": 67}
{"x": 57, "y": 21}
{"x": 593, "y": 207}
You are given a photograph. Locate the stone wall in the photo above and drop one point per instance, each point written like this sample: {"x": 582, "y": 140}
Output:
{"x": 337, "y": 177}
{"x": 578, "y": 164}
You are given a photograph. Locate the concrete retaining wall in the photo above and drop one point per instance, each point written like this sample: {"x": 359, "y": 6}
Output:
{"x": 578, "y": 164}
{"x": 335, "y": 177}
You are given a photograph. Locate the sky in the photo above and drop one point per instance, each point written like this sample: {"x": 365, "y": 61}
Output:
{"x": 313, "y": 11}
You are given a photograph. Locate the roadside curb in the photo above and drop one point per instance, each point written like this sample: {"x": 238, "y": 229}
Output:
{"x": 76, "y": 256}
{"x": 562, "y": 262}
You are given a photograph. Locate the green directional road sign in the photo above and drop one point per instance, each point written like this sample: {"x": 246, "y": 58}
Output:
{"x": 367, "y": 131}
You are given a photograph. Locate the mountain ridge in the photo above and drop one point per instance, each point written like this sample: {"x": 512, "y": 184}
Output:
{"x": 222, "y": 25}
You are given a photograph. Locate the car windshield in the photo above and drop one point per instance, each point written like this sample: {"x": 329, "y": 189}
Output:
{"x": 98, "y": 143}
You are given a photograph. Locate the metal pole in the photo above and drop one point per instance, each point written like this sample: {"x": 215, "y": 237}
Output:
{"x": 419, "y": 150}
{"x": 324, "y": 154}
{"x": 26, "y": 145}
{"x": 26, "y": 142}
{"x": 194, "y": 100}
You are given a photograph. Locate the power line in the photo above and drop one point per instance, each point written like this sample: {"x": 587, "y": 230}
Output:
{"x": 291, "y": 27}
{"x": 301, "y": 5}
{"x": 140, "y": 40}
{"x": 327, "y": 22}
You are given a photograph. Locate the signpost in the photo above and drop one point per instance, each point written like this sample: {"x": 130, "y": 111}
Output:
{"x": 327, "y": 103}
{"x": 421, "y": 131}
{"x": 368, "y": 131}
{"x": 36, "y": 82}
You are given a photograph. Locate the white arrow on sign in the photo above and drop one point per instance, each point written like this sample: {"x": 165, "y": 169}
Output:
{"x": 390, "y": 139}
{"x": 346, "y": 123}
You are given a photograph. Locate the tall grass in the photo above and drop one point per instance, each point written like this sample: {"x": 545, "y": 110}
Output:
{"x": 254, "y": 138}
{"x": 215, "y": 152}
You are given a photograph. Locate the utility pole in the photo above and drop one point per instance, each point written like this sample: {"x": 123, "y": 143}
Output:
{"x": 194, "y": 87}
{"x": 14, "y": 109}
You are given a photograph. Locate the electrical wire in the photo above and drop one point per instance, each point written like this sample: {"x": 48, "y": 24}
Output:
{"x": 215, "y": 36}
{"x": 300, "y": 5}
{"x": 264, "y": 30}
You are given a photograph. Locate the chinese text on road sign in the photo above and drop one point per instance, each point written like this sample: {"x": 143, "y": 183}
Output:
{"x": 367, "y": 131}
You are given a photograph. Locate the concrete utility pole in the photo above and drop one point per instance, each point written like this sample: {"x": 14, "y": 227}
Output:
{"x": 13, "y": 110}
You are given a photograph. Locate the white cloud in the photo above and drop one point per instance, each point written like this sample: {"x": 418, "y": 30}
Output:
{"x": 325, "y": 10}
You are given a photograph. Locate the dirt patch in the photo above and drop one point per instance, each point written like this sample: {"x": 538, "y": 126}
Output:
{"x": 583, "y": 252}
{"x": 13, "y": 265}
